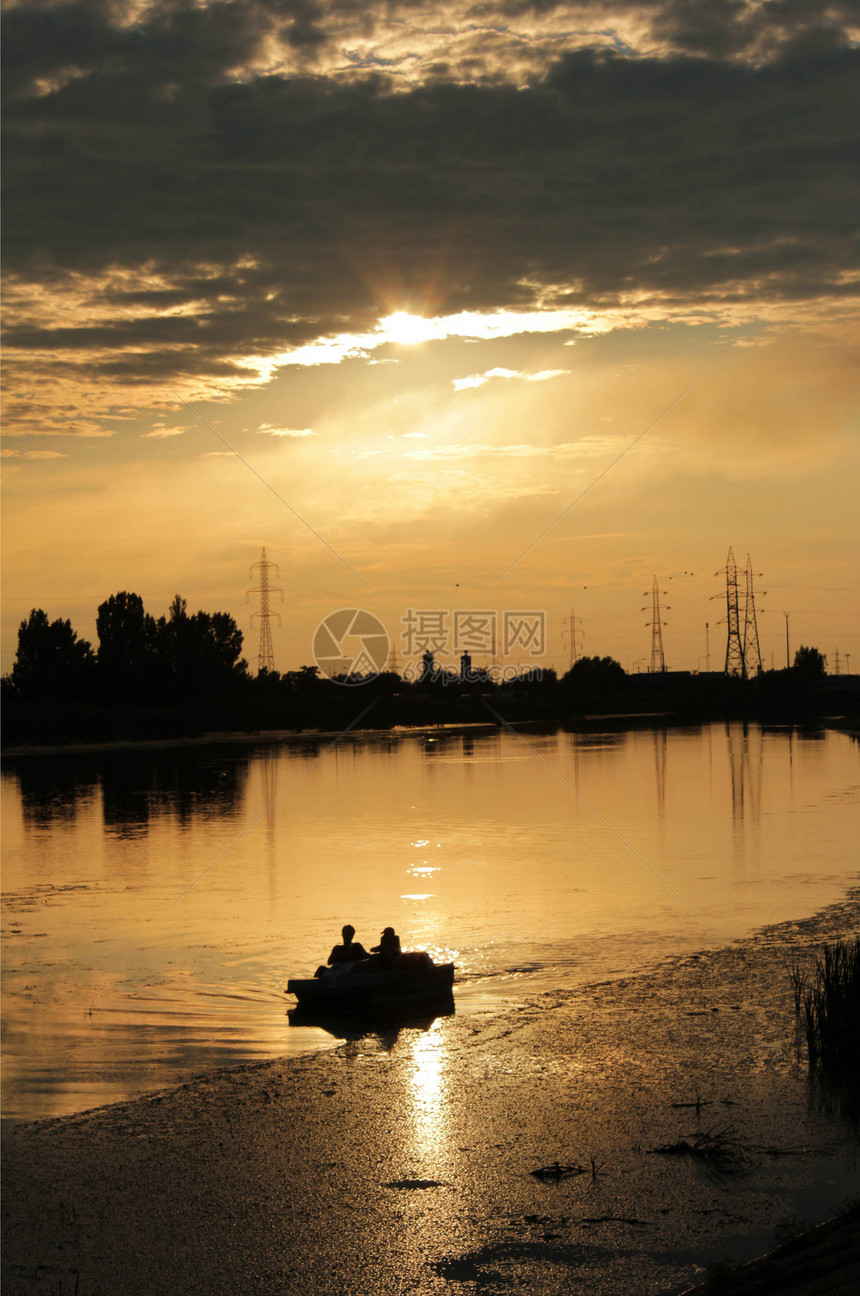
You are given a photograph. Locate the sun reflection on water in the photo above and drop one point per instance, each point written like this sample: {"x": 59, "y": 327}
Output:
{"x": 429, "y": 1114}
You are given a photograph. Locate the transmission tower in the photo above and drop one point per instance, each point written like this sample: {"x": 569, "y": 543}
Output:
{"x": 734, "y": 648}
{"x": 569, "y": 627}
{"x": 266, "y": 659}
{"x": 658, "y": 662}
{"x": 751, "y": 651}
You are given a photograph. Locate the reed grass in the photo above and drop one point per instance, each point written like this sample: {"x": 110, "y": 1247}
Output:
{"x": 827, "y": 1004}
{"x": 721, "y": 1149}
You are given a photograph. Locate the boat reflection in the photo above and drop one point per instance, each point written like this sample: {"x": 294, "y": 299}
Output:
{"x": 385, "y": 1022}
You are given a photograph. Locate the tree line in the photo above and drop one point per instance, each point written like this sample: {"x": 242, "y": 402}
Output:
{"x": 184, "y": 674}
{"x": 139, "y": 660}
{"x": 183, "y": 656}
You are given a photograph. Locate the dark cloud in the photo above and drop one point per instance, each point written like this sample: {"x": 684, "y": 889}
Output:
{"x": 718, "y": 28}
{"x": 277, "y": 208}
{"x": 172, "y": 42}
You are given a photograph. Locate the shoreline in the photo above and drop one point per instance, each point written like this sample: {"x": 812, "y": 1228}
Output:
{"x": 216, "y": 737}
{"x": 404, "y": 1162}
{"x": 838, "y": 724}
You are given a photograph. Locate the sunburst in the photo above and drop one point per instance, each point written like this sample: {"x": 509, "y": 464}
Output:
{"x": 408, "y": 330}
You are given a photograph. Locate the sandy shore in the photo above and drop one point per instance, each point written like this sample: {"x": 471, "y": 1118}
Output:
{"x": 404, "y": 1162}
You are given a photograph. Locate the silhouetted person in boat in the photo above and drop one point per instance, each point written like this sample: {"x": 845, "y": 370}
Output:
{"x": 388, "y": 947}
{"x": 351, "y": 951}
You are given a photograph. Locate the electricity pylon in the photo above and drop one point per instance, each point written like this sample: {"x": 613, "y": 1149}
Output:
{"x": 751, "y": 651}
{"x": 266, "y": 658}
{"x": 735, "y": 664}
{"x": 569, "y": 626}
{"x": 658, "y": 662}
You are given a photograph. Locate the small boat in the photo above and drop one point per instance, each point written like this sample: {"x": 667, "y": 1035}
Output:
{"x": 366, "y": 987}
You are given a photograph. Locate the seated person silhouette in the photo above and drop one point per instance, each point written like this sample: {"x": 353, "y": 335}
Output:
{"x": 351, "y": 951}
{"x": 388, "y": 947}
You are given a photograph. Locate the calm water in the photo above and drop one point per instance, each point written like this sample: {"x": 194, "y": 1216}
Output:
{"x": 156, "y": 902}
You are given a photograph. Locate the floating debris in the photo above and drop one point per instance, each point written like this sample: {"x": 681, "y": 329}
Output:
{"x": 558, "y": 1171}
{"x": 613, "y": 1219}
{"x": 698, "y": 1104}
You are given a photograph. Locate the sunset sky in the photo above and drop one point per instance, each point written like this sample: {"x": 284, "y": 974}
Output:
{"x": 506, "y": 305}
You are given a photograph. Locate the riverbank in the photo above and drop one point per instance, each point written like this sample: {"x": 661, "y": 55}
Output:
{"x": 405, "y": 1161}
{"x": 300, "y": 702}
{"x": 275, "y": 736}
{"x": 232, "y": 736}
{"x": 609, "y": 721}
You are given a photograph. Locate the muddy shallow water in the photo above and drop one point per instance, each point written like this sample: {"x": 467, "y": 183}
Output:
{"x": 156, "y": 902}
{"x": 404, "y": 1161}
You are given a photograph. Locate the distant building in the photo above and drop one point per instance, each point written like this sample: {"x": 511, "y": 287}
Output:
{"x": 428, "y": 667}
{"x": 465, "y": 667}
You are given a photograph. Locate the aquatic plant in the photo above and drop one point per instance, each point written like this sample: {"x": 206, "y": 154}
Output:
{"x": 719, "y": 1148}
{"x": 827, "y": 1004}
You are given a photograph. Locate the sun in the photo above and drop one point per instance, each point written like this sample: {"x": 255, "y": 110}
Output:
{"x": 408, "y": 330}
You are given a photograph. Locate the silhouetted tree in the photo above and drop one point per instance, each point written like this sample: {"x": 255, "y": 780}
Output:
{"x": 541, "y": 679}
{"x": 595, "y": 675}
{"x": 304, "y": 682}
{"x": 52, "y": 662}
{"x": 218, "y": 648}
{"x": 383, "y": 684}
{"x": 197, "y": 654}
{"x": 173, "y": 648}
{"x": 809, "y": 663}
{"x": 127, "y": 655}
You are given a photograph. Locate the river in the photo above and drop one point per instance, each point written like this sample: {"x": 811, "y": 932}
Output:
{"x": 155, "y": 901}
